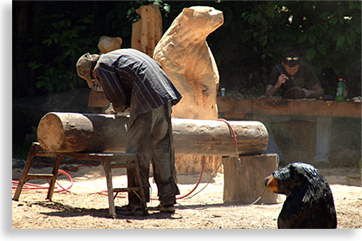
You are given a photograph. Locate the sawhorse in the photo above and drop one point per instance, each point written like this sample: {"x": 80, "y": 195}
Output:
{"x": 108, "y": 161}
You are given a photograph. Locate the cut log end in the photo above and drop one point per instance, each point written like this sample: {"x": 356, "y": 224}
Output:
{"x": 51, "y": 132}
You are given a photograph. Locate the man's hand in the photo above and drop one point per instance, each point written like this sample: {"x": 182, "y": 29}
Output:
{"x": 110, "y": 110}
{"x": 271, "y": 89}
{"x": 282, "y": 79}
{"x": 306, "y": 92}
{"x": 316, "y": 92}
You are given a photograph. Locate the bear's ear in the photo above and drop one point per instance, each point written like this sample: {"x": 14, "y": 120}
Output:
{"x": 292, "y": 172}
{"x": 292, "y": 169}
{"x": 188, "y": 12}
{"x": 297, "y": 173}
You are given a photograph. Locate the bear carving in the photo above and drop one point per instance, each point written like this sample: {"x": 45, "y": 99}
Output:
{"x": 107, "y": 44}
{"x": 309, "y": 203}
{"x": 187, "y": 60}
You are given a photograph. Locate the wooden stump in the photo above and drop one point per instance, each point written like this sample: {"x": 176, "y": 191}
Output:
{"x": 187, "y": 164}
{"x": 246, "y": 186}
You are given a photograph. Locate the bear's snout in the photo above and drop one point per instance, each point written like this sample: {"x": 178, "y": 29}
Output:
{"x": 271, "y": 184}
{"x": 266, "y": 181}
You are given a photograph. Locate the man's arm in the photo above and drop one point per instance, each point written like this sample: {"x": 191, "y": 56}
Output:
{"x": 112, "y": 87}
{"x": 271, "y": 89}
{"x": 316, "y": 92}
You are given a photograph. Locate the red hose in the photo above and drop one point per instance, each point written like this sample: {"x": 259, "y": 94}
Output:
{"x": 234, "y": 136}
{"x": 31, "y": 186}
{"x": 198, "y": 182}
{"x": 70, "y": 179}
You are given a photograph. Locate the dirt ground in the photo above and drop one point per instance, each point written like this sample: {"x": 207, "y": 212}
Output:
{"x": 84, "y": 208}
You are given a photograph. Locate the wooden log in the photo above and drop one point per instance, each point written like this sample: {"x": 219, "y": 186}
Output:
{"x": 248, "y": 184}
{"x": 75, "y": 132}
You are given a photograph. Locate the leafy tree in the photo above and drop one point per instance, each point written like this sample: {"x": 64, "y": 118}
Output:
{"x": 50, "y": 36}
{"x": 328, "y": 33}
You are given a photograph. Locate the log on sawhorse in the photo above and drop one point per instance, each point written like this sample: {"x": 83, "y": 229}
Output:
{"x": 91, "y": 136}
{"x": 108, "y": 161}
{"x": 77, "y": 132}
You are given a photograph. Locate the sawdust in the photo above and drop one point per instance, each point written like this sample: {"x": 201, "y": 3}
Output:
{"x": 85, "y": 208}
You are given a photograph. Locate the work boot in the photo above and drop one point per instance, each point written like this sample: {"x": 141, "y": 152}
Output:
{"x": 132, "y": 210}
{"x": 167, "y": 208}
{"x": 167, "y": 203}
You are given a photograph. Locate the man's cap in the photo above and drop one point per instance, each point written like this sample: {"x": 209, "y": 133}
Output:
{"x": 291, "y": 58}
{"x": 85, "y": 66}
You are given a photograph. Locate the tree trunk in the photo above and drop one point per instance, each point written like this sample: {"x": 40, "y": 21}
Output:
{"x": 74, "y": 132}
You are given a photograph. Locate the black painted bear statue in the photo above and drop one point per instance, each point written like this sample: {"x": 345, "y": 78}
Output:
{"x": 309, "y": 202}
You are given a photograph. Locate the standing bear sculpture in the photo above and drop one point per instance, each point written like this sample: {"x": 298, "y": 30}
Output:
{"x": 187, "y": 60}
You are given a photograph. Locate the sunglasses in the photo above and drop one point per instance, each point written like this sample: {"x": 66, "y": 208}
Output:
{"x": 291, "y": 58}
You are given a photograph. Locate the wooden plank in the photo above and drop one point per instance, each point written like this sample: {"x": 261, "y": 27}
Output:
{"x": 40, "y": 176}
{"x": 239, "y": 107}
{"x": 126, "y": 189}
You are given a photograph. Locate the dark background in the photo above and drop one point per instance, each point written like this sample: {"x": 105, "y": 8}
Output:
{"x": 49, "y": 37}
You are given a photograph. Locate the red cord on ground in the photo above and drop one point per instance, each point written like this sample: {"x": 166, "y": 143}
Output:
{"x": 198, "y": 182}
{"x": 31, "y": 186}
{"x": 70, "y": 179}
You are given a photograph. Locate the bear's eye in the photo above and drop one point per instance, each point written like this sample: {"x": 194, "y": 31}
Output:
{"x": 210, "y": 10}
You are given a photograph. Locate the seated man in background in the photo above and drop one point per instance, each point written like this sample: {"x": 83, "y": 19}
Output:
{"x": 297, "y": 80}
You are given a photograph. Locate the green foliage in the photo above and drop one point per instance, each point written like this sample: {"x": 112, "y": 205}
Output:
{"x": 328, "y": 33}
{"x": 63, "y": 36}
{"x": 254, "y": 33}
{"x": 61, "y": 45}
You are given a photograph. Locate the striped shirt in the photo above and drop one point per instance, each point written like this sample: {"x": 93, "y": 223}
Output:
{"x": 132, "y": 78}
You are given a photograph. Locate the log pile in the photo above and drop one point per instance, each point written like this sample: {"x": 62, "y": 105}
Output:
{"x": 75, "y": 132}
